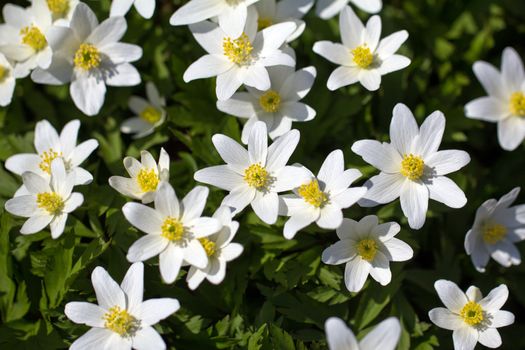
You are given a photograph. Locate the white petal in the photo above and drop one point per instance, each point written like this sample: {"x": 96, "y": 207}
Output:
{"x": 122, "y": 52}
{"x": 473, "y": 293}
{"x": 133, "y": 285}
{"x": 228, "y": 83}
{"x": 35, "y": 183}
{"x": 231, "y": 251}
{"x": 511, "y": 132}
{"x": 356, "y": 273}
{"x": 391, "y": 43}
{"x": 381, "y": 155}
{"x": 333, "y": 52}
{"x": 143, "y": 217}
{"x": 83, "y": 21}
{"x": 444, "y": 190}
{"x": 430, "y": 134}
{"x": 384, "y": 336}
{"x": 145, "y": 8}
{"x": 403, "y": 129}
{"x": 373, "y": 32}
{"x": 107, "y": 290}
{"x": 207, "y": 66}
{"x": 339, "y": 336}
{"x": 490, "y": 78}
{"x": 382, "y": 189}
{"x": 240, "y": 105}
{"x": 290, "y": 177}
{"x": 487, "y": 108}
{"x": 193, "y": 203}
{"x": 380, "y": 269}
{"x": 239, "y": 197}
{"x": 414, "y": 203}
{"x": 166, "y": 201}
{"x": 370, "y": 6}
{"x": 24, "y": 205}
{"x": 22, "y": 162}
{"x": 88, "y": 92}
{"x": 265, "y": 206}
{"x": 512, "y": 68}
{"x": 446, "y": 162}
{"x": 370, "y": 79}
{"x": 351, "y": 28}
{"x": 465, "y": 338}
{"x": 154, "y": 310}
{"x": 196, "y": 11}
{"x": 281, "y": 150}
{"x": 233, "y": 18}
{"x": 170, "y": 261}
{"x": 147, "y": 337}
{"x": 332, "y": 167}
{"x": 109, "y": 31}
{"x": 209, "y": 35}
{"x": 202, "y": 227}
{"x": 57, "y": 225}
{"x": 339, "y": 253}
{"x": 95, "y": 338}
{"x": 146, "y": 247}
{"x": 331, "y": 217}
{"x": 297, "y": 85}
{"x": 398, "y": 250}
{"x": 495, "y": 299}
{"x": 231, "y": 152}
{"x": 258, "y": 144}
{"x": 349, "y": 197}
{"x": 85, "y": 313}
{"x": 451, "y": 296}
{"x": 122, "y": 74}
{"x": 257, "y": 77}
{"x": 35, "y": 224}
{"x": 120, "y": 7}
{"x": 220, "y": 176}
{"x": 194, "y": 254}
{"x": 46, "y": 137}
{"x": 502, "y": 318}
{"x": 445, "y": 319}
{"x": 490, "y": 338}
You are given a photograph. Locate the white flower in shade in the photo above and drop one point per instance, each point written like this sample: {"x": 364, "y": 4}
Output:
{"x": 47, "y": 202}
{"x": 472, "y": 318}
{"x": 49, "y": 145}
{"x": 322, "y": 199}
{"x": 255, "y": 176}
{"x": 497, "y": 227}
{"x": 89, "y": 56}
{"x": 505, "y": 103}
{"x": 122, "y": 319}
{"x": 145, "y": 176}
{"x": 239, "y": 60}
{"x": 220, "y": 250}
{"x": 384, "y": 336}
{"x": 367, "y": 248}
{"x": 145, "y": 8}
{"x": 232, "y": 14}
{"x": 174, "y": 231}
{"x": 277, "y": 107}
{"x": 23, "y": 36}
{"x": 270, "y": 12}
{"x": 411, "y": 166}
{"x": 61, "y": 10}
{"x": 150, "y": 113}
{"x": 362, "y": 56}
{"x": 7, "y": 81}
{"x": 329, "y": 8}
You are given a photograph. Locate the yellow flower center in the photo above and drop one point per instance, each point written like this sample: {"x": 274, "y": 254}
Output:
{"x": 312, "y": 194}
{"x": 47, "y": 157}
{"x": 151, "y": 114}
{"x": 87, "y": 57}
{"x": 472, "y": 313}
{"x": 367, "y": 249}
{"x": 121, "y": 322}
{"x": 517, "y": 104}
{"x": 33, "y": 37}
{"x": 238, "y": 50}
{"x": 256, "y": 176}
{"x": 209, "y": 246}
{"x": 493, "y": 233}
{"x": 58, "y": 7}
{"x": 172, "y": 229}
{"x": 147, "y": 180}
{"x": 270, "y": 101}
{"x": 412, "y": 167}
{"x": 4, "y": 72}
{"x": 363, "y": 57}
{"x": 263, "y": 22}
{"x": 52, "y": 202}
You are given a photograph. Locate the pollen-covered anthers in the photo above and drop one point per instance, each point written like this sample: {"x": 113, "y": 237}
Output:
{"x": 517, "y": 104}
{"x": 148, "y": 180}
{"x": 47, "y": 157}
{"x": 312, "y": 194}
{"x": 209, "y": 246}
{"x": 367, "y": 249}
{"x": 362, "y": 56}
{"x": 256, "y": 176}
{"x": 493, "y": 233}
{"x": 172, "y": 229}
{"x": 51, "y": 202}
{"x": 412, "y": 167}
{"x": 33, "y": 37}
{"x": 270, "y": 101}
{"x": 472, "y": 313}
{"x": 263, "y": 22}
{"x": 151, "y": 114}
{"x": 238, "y": 50}
{"x": 87, "y": 57}
{"x": 121, "y": 322}
{"x": 58, "y": 7}
{"x": 4, "y": 73}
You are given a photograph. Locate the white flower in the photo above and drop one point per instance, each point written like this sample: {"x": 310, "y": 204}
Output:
{"x": 7, "y": 81}
{"x": 89, "y": 56}
{"x": 220, "y": 250}
{"x": 321, "y": 199}
{"x": 384, "y": 336}
{"x": 497, "y": 227}
{"x": 239, "y": 60}
{"x": 362, "y": 56}
{"x": 271, "y": 12}
{"x": 256, "y": 175}
{"x": 277, "y": 107}
{"x": 47, "y": 202}
{"x": 150, "y": 113}
{"x": 145, "y": 8}
{"x": 145, "y": 176}
{"x": 505, "y": 103}
{"x": 411, "y": 166}
{"x": 122, "y": 319}
{"x": 61, "y": 10}
{"x": 472, "y": 317}
{"x": 49, "y": 146}
{"x": 232, "y": 14}
{"x": 329, "y": 8}
{"x": 24, "y": 36}
{"x": 174, "y": 230}
{"x": 367, "y": 248}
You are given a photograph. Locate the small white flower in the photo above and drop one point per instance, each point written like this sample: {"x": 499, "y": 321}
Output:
{"x": 47, "y": 202}
{"x": 362, "y": 56}
{"x": 322, "y": 199}
{"x": 49, "y": 146}
{"x": 89, "y": 56}
{"x": 61, "y": 10}
{"x": 220, "y": 250}
{"x": 173, "y": 230}
{"x": 255, "y": 176}
{"x": 239, "y": 60}
{"x": 505, "y": 103}
{"x": 329, "y": 8}
{"x": 367, "y": 248}
{"x": 122, "y": 319}
{"x": 145, "y": 176}
{"x": 145, "y": 8}
{"x": 232, "y": 14}
{"x": 7, "y": 81}
{"x": 384, "y": 336}
{"x": 270, "y": 12}
{"x": 497, "y": 227}
{"x": 277, "y": 107}
{"x": 411, "y": 166}
{"x": 150, "y": 113}
{"x": 472, "y": 317}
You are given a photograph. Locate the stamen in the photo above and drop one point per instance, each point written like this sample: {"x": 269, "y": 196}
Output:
{"x": 362, "y": 56}
{"x": 312, "y": 194}
{"x": 209, "y": 246}
{"x": 4, "y": 73}
{"x": 472, "y": 313}
{"x": 47, "y": 157}
{"x": 148, "y": 180}
{"x": 517, "y": 104}
{"x": 121, "y": 322}
{"x": 87, "y": 57}
{"x": 493, "y": 233}
{"x": 58, "y": 7}
{"x": 151, "y": 114}
{"x": 239, "y": 50}
{"x": 256, "y": 176}
{"x": 367, "y": 249}
{"x": 33, "y": 37}
{"x": 412, "y": 167}
{"x": 52, "y": 202}
{"x": 270, "y": 101}
{"x": 172, "y": 229}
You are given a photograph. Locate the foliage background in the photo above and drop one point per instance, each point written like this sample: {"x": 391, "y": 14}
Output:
{"x": 278, "y": 294}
